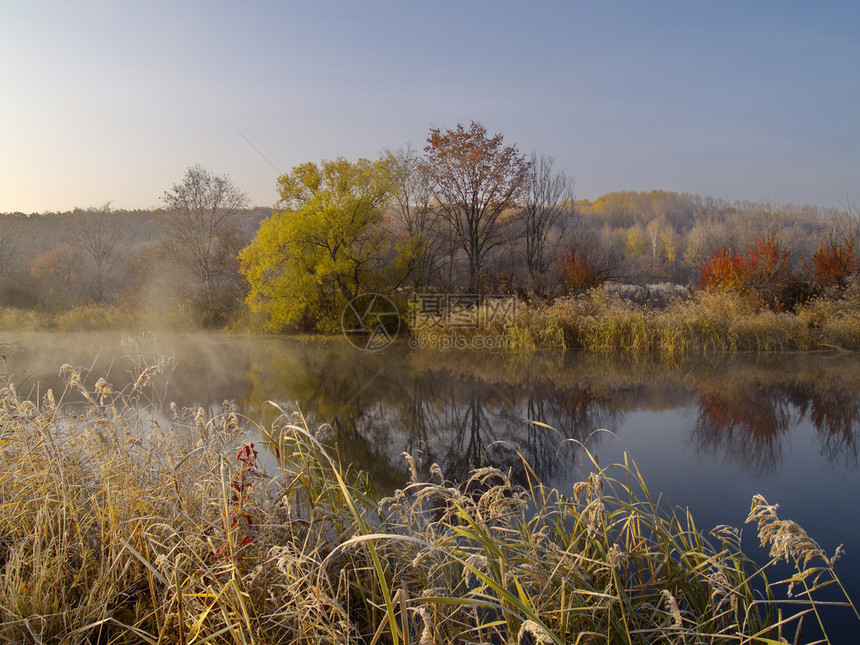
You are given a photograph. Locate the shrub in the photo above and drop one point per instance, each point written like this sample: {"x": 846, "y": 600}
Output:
{"x": 577, "y": 271}
{"x": 835, "y": 262}
{"x": 763, "y": 273}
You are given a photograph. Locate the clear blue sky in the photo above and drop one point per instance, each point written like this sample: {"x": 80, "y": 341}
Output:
{"x": 110, "y": 101}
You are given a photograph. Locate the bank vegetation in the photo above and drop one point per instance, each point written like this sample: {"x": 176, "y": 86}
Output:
{"x": 469, "y": 216}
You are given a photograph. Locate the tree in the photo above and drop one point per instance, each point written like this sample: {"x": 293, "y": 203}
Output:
{"x": 325, "y": 244}
{"x": 103, "y": 237}
{"x": 654, "y": 233}
{"x": 416, "y": 213}
{"x": 55, "y": 277}
{"x": 837, "y": 258}
{"x": 16, "y": 284}
{"x": 705, "y": 239}
{"x": 477, "y": 180}
{"x": 835, "y": 261}
{"x": 617, "y": 209}
{"x": 199, "y": 216}
{"x": 547, "y": 197}
{"x": 671, "y": 242}
{"x": 589, "y": 258}
{"x": 635, "y": 241}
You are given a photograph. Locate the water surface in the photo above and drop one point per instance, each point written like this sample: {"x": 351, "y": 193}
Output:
{"x": 708, "y": 433}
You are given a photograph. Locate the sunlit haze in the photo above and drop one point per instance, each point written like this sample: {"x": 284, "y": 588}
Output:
{"x": 111, "y": 102}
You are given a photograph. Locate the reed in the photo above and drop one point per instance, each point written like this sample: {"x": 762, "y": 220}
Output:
{"x": 120, "y": 524}
{"x": 598, "y": 321}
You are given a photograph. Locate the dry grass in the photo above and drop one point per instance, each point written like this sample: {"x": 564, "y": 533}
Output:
{"x": 12, "y": 318}
{"x": 119, "y": 525}
{"x": 95, "y": 317}
{"x": 706, "y": 322}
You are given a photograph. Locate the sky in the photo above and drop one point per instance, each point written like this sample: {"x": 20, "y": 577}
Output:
{"x": 112, "y": 101}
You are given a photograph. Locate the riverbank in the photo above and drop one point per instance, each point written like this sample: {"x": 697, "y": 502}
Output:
{"x": 120, "y": 524}
{"x": 601, "y": 320}
{"x": 598, "y": 321}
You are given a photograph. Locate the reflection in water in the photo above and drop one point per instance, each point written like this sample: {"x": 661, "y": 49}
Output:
{"x": 745, "y": 425}
{"x": 835, "y": 414}
{"x": 378, "y": 406}
{"x": 462, "y": 410}
{"x": 746, "y": 419}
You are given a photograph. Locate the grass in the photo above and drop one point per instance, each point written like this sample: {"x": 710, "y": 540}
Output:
{"x": 120, "y": 525}
{"x": 661, "y": 324}
{"x": 93, "y": 317}
{"x": 598, "y": 321}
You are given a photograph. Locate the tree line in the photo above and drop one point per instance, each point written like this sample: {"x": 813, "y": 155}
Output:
{"x": 468, "y": 213}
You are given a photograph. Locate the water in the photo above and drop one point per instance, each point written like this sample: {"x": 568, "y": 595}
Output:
{"x": 707, "y": 434}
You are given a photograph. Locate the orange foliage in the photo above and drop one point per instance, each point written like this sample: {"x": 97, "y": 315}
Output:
{"x": 576, "y": 271}
{"x": 760, "y": 418}
{"x": 834, "y": 262}
{"x": 59, "y": 264}
{"x": 725, "y": 271}
{"x": 764, "y": 271}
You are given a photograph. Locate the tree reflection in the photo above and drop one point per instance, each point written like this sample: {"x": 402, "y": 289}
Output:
{"x": 835, "y": 415}
{"x": 378, "y": 406}
{"x": 463, "y": 411}
{"x": 748, "y": 419}
{"x": 745, "y": 425}
{"x": 467, "y": 409}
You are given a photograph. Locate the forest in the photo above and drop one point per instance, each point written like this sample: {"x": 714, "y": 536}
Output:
{"x": 467, "y": 214}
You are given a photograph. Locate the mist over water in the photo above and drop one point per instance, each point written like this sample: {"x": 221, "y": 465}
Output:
{"x": 708, "y": 434}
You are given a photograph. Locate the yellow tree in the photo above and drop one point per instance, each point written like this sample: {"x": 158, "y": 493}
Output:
{"x": 616, "y": 209}
{"x": 635, "y": 241}
{"x": 670, "y": 241}
{"x": 325, "y": 244}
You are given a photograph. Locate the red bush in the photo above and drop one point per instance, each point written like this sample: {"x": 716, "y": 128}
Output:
{"x": 763, "y": 272}
{"x": 834, "y": 262}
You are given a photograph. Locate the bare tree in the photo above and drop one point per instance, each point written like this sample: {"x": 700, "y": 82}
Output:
{"x": 102, "y": 236}
{"x": 590, "y": 256}
{"x": 705, "y": 238}
{"x": 477, "y": 181}
{"x": 547, "y": 197}
{"x": 416, "y": 213}
{"x": 199, "y": 215}
{"x": 843, "y": 225}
